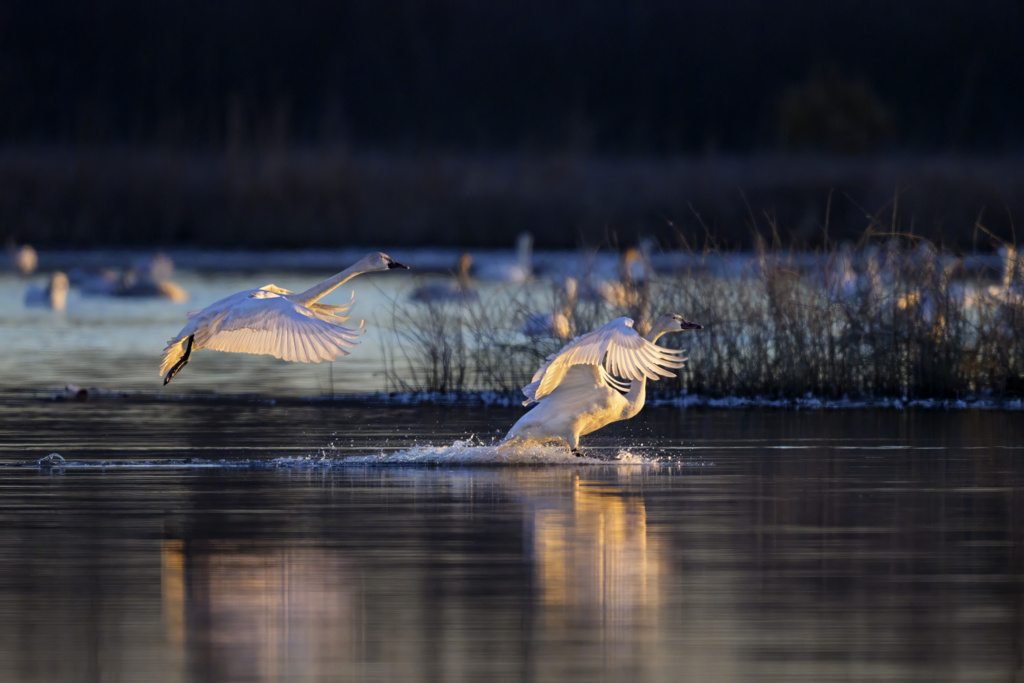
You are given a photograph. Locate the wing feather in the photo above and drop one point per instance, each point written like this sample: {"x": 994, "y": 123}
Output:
{"x": 616, "y": 349}
{"x": 275, "y": 325}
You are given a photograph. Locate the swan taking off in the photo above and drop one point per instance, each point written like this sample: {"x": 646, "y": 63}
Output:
{"x": 271, "y": 320}
{"x": 577, "y": 391}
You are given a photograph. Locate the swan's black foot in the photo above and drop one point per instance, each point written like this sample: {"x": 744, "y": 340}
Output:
{"x": 182, "y": 362}
{"x": 577, "y": 452}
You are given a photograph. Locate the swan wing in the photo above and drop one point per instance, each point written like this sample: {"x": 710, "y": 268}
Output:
{"x": 267, "y": 323}
{"x": 331, "y": 313}
{"x": 579, "y": 381}
{"x": 616, "y": 348}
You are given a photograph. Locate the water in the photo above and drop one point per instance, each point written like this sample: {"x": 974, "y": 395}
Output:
{"x": 234, "y": 527}
{"x": 209, "y": 540}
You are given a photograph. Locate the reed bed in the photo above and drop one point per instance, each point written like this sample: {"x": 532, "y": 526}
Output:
{"x": 900, "y": 319}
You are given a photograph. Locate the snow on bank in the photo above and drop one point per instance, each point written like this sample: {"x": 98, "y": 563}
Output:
{"x": 808, "y": 402}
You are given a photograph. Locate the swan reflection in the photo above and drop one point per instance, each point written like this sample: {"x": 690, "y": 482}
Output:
{"x": 386, "y": 595}
{"x": 595, "y": 556}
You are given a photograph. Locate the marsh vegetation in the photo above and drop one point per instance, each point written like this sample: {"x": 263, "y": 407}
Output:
{"x": 890, "y": 318}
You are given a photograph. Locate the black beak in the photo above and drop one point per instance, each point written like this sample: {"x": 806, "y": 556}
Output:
{"x": 687, "y": 325}
{"x": 392, "y": 263}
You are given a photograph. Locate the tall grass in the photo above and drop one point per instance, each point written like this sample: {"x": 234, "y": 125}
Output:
{"x": 896, "y": 319}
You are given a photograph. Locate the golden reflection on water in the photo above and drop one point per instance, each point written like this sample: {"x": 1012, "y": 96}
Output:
{"x": 594, "y": 557}
{"x": 273, "y": 610}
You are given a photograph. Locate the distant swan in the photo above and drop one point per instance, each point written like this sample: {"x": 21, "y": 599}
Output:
{"x": 274, "y": 321}
{"x": 147, "y": 278}
{"x": 24, "y": 259}
{"x": 628, "y": 290}
{"x": 459, "y": 290}
{"x": 1010, "y": 291}
{"x": 577, "y": 391}
{"x": 54, "y": 295}
{"x": 557, "y": 324}
{"x": 520, "y": 271}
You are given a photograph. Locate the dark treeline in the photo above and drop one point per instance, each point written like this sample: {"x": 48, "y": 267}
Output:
{"x": 603, "y": 76}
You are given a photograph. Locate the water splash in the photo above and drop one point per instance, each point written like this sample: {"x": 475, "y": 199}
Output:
{"x": 460, "y": 453}
{"x": 472, "y": 452}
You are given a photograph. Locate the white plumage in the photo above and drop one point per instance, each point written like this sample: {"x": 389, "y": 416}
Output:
{"x": 274, "y": 321}
{"x": 54, "y": 295}
{"x": 580, "y": 389}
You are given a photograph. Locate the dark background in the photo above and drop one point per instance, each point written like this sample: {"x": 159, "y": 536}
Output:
{"x": 463, "y": 122}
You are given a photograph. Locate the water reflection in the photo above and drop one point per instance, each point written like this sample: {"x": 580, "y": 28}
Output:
{"x": 265, "y": 610}
{"x": 821, "y": 550}
{"x": 242, "y": 611}
{"x": 592, "y": 556}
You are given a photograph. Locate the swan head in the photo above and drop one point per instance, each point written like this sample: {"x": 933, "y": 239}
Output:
{"x": 673, "y": 322}
{"x": 379, "y": 261}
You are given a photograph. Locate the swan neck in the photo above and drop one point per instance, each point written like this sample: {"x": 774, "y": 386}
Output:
{"x": 655, "y": 334}
{"x": 636, "y": 396}
{"x": 317, "y": 292}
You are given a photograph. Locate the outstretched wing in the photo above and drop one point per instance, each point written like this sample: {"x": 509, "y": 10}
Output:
{"x": 578, "y": 379}
{"x": 267, "y": 323}
{"x": 616, "y": 349}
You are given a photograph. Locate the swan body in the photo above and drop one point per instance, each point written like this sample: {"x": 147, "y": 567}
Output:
{"x": 24, "y": 259}
{"x": 520, "y": 271}
{"x": 628, "y": 291}
{"x": 556, "y": 324}
{"x": 578, "y": 389}
{"x": 140, "y": 284}
{"x": 274, "y": 321}
{"x": 54, "y": 295}
{"x": 147, "y": 278}
{"x": 460, "y": 290}
{"x": 1010, "y": 291}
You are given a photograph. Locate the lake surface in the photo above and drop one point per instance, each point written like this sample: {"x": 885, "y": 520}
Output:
{"x": 228, "y": 540}
{"x": 237, "y": 525}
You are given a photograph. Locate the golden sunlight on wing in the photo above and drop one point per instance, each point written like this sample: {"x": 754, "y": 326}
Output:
{"x": 615, "y": 346}
{"x": 278, "y": 327}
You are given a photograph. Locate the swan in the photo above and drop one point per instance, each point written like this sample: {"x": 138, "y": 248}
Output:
{"x": 555, "y": 324}
{"x": 147, "y": 278}
{"x": 54, "y": 295}
{"x": 628, "y": 290}
{"x": 460, "y": 290}
{"x": 142, "y": 284}
{"x": 274, "y": 321}
{"x": 24, "y": 259}
{"x": 1010, "y": 290}
{"x": 576, "y": 390}
{"x": 520, "y": 271}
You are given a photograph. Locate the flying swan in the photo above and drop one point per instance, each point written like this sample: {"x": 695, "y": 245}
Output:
{"x": 274, "y": 321}
{"x": 577, "y": 391}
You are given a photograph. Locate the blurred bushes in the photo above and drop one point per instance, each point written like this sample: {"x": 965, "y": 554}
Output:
{"x": 330, "y": 198}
